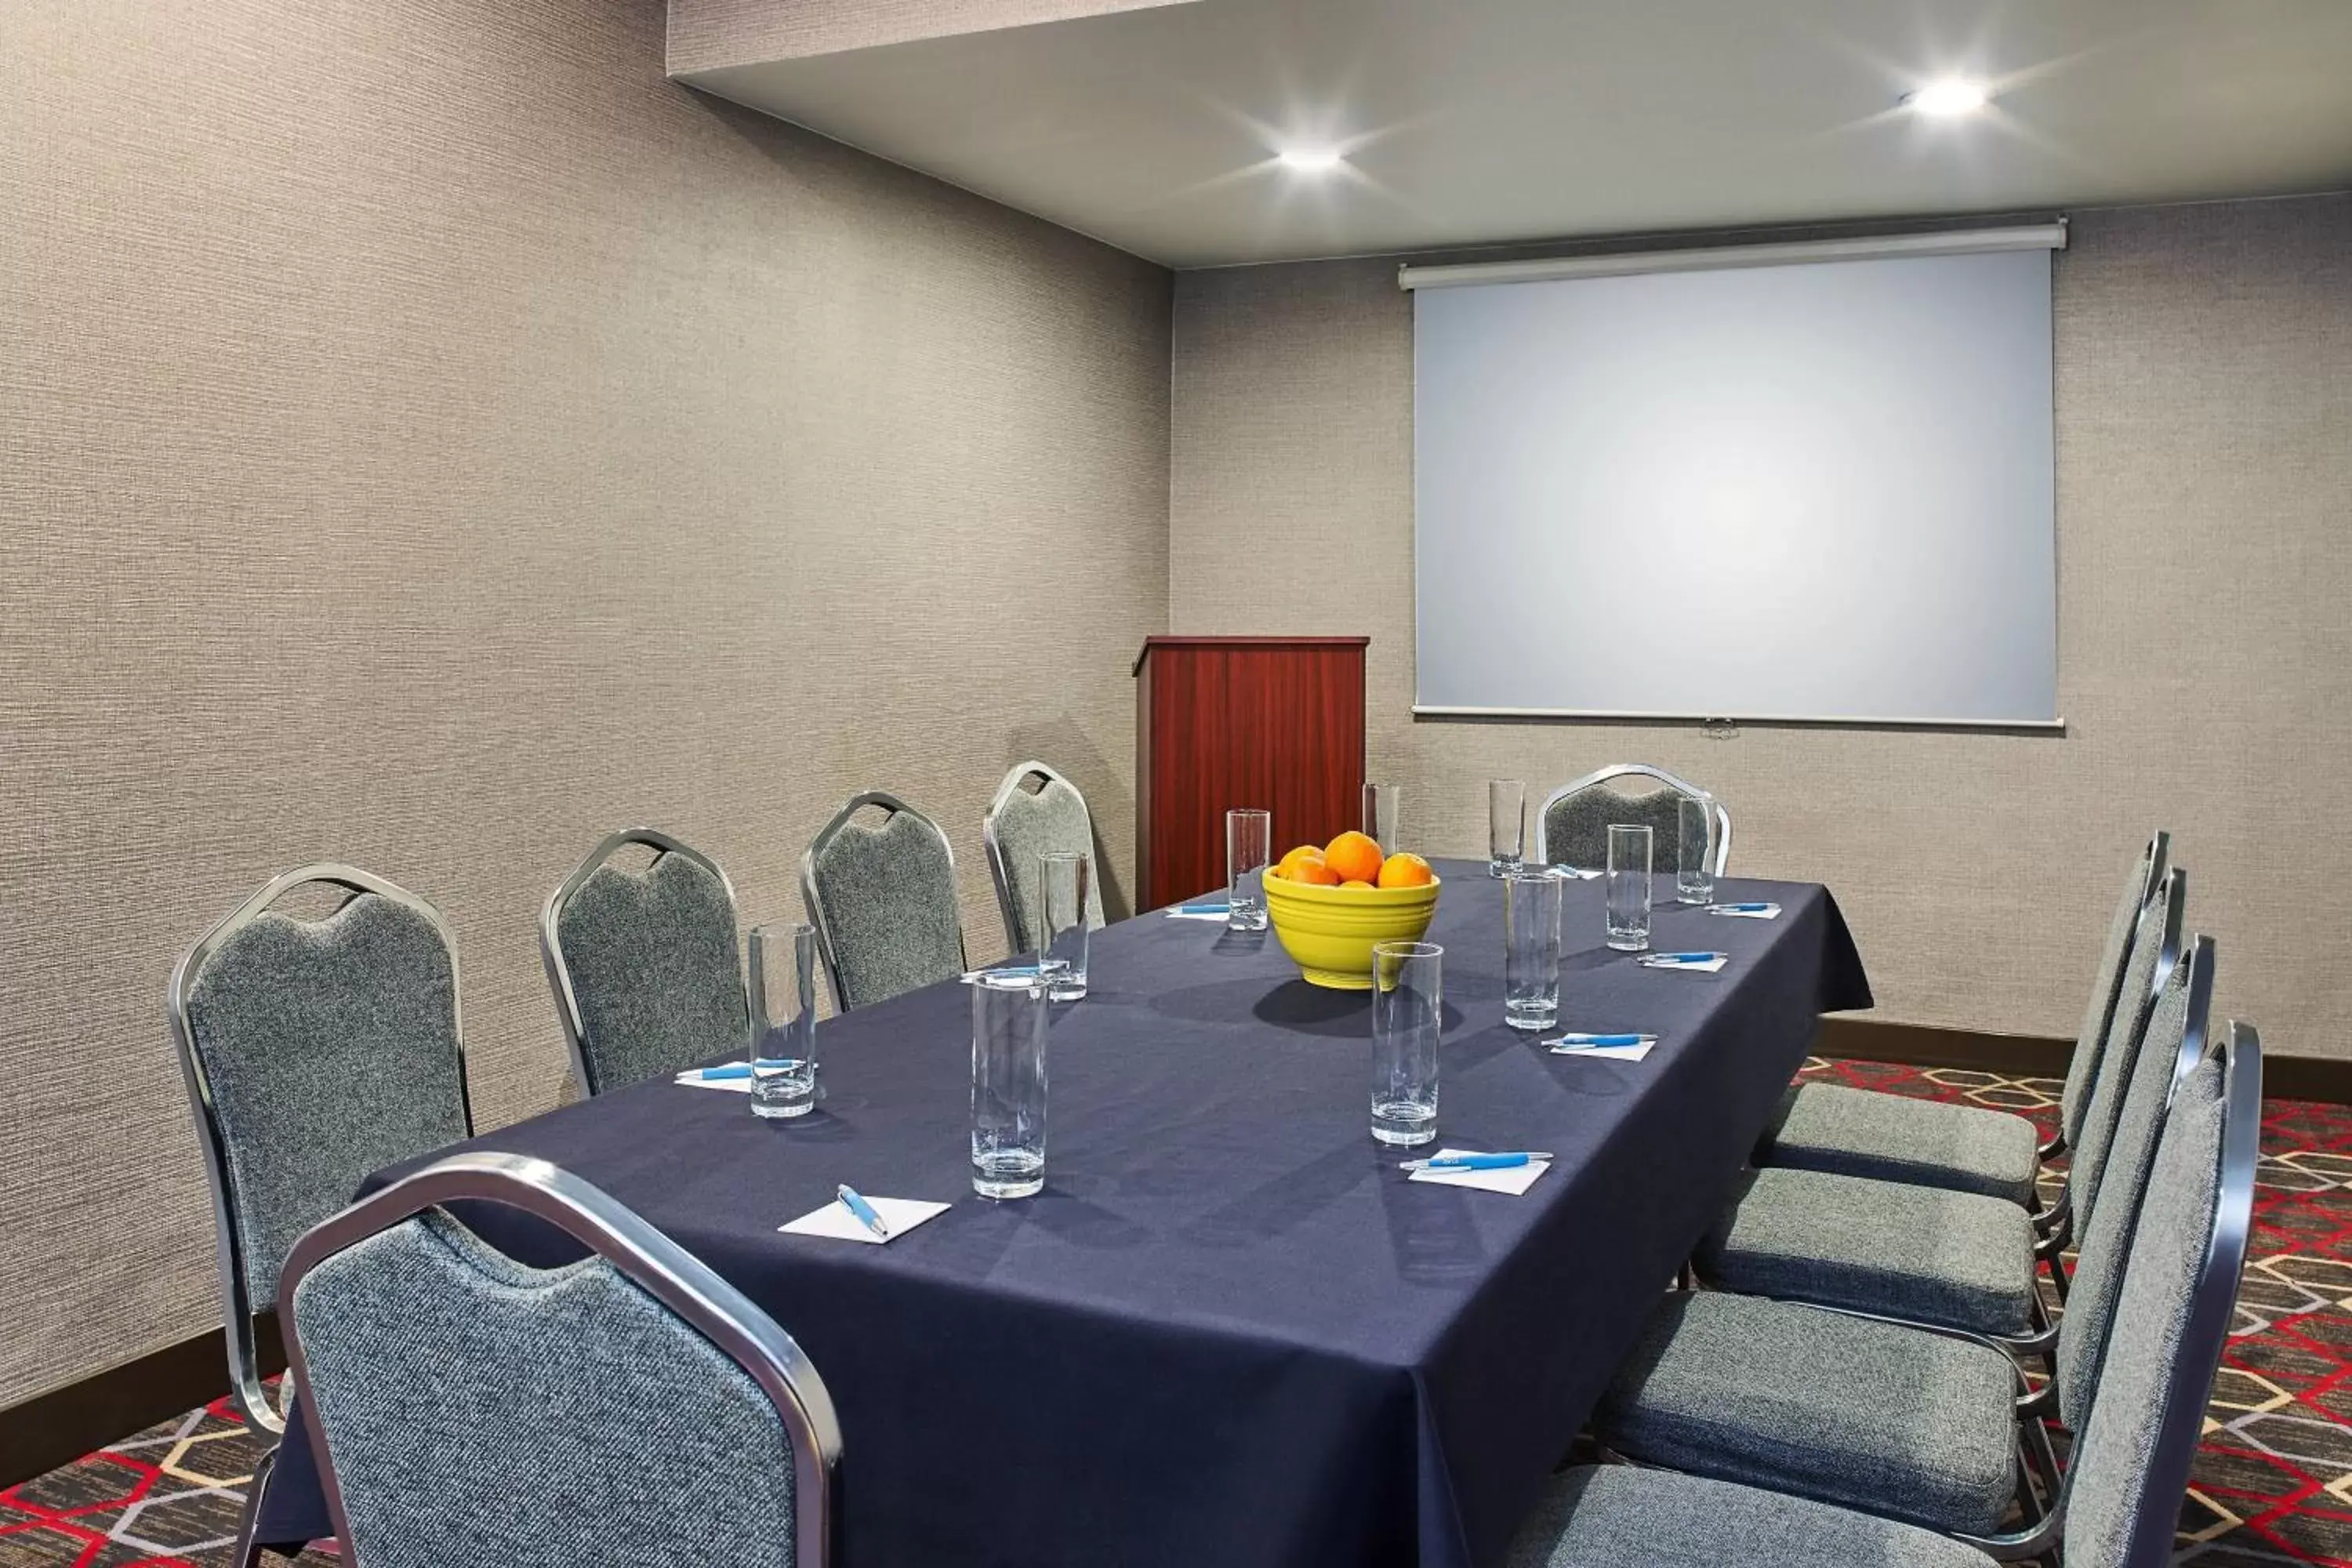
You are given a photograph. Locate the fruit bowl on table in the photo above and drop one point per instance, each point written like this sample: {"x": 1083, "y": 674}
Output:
{"x": 1330, "y": 931}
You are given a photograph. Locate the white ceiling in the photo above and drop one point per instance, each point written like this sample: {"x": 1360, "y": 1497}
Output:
{"x": 1469, "y": 122}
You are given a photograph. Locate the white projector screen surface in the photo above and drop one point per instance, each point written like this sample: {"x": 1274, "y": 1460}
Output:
{"x": 1810, "y": 491}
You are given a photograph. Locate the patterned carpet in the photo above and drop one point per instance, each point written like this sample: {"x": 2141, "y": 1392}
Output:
{"x": 2272, "y": 1485}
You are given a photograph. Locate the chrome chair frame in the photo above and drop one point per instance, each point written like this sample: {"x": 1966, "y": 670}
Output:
{"x": 681, "y": 1281}
{"x": 1000, "y": 873}
{"x": 236, "y": 1304}
{"x": 888, "y": 803}
{"x": 1633, "y": 770}
{"x": 551, "y": 944}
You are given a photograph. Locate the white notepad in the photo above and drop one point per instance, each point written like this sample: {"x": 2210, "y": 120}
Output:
{"x": 1512, "y": 1179}
{"x": 692, "y": 1079}
{"x": 834, "y": 1221}
{"x": 1608, "y": 1053}
{"x": 1216, "y": 915}
{"x": 1768, "y": 912}
{"x": 1709, "y": 967}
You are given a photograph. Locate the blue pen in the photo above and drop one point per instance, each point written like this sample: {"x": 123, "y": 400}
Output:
{"x": 1592, "y": 1042}
{"x": 742, "y": 1069}
{"x": 1738, "y": 908}
{"x": 1472, "y": 1162}
{"x": 1204, "y": 909}
{"x": 863, "y": 1210}
{"x": 1680, "y": 958}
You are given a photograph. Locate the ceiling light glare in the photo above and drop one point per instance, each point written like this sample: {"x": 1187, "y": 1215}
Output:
{"x": 1943, "y": 99}
{"x": 1310, "y": 160}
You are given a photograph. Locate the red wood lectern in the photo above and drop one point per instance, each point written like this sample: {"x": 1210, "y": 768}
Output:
{"x": 1221, "y": 722}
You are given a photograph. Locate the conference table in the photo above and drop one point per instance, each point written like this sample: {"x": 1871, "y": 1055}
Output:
{"x": 1230, "y": 1329}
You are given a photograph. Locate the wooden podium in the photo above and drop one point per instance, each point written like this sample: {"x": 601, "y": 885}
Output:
{"x": 1221, "y": 722}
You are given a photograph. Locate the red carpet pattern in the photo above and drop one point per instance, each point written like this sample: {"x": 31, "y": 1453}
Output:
{"x": 2273, "y": 1484}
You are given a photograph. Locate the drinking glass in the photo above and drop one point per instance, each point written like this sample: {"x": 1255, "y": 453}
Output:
{"x": 784, "y": 1020}
{"x": 1408, "y": 1005}
{"x": 1507, "y": 825}
{"x": 1064, "y": 876}
{"x": 1008, "y": 1085}
{"x": 1381, "y": 803}
{"x": 1531, "y": 899}
{"x": 1249, "y": 846}
{"x": 1629, "y": 888}
{"x": 1695, "y": 849}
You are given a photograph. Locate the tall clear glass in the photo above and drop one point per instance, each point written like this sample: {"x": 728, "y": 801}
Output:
{"x": 1064, "y": 876}
{"x": 784, "y": 1020}
{"x": 1408, "y": 1007}
{"x": 1381, "y": 804}
{"x": 1695, "y": 849}
{"x": 1629, "y": 888}
{"x": 1008, "y": 1085}
{"x": 1531, "y": 899}
{"x": 1249, "y": 848}
{"x": 1507, "y": 825}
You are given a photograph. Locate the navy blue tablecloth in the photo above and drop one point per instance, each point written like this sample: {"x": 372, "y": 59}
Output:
{"x": 1230, "y": 1331}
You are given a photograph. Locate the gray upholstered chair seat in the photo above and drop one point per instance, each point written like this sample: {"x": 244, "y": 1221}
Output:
{"x": 1856, "y": 1132}
{"x": 1894, "y": 1421}
{"x": 1960, "y": 1260}
{"x": 1617, "y": 1516}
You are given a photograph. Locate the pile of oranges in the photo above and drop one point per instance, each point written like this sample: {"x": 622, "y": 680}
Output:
{"x": 1353, "y": 860}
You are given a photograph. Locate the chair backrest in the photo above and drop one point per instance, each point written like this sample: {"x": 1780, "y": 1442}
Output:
{"x": 1022, "y": 825}
{"x": 644, "y": 965}
{"x": 2168, "y": 1053}
{"x": 2107, "y": 985}
{"x": 1572, "y": 828}
{"x": 2131, "y": 1459}
{"x": 2155, "y": 950}
{"x": 631, "y": 1406}
{"x": 883, "y": 900}
{"x": 314, "y": 1052}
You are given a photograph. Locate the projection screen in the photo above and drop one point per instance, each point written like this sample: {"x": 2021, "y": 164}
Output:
{"x": 1805, "y": 489}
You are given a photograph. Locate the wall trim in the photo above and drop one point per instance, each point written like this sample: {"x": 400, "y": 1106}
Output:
{"x": 1853, "y": 1038}
{"x": 61, "y": 1426}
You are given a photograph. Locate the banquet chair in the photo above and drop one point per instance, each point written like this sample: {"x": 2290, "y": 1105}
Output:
{"x": 1967, "y": 1148}
{"x": 1965, "y": 1260}
{"x": 2119, "y": 1501}
{"x": 883, "y": 900}
{"x": 314, "y": 1051}
{"x": 647, "y": 972}
{"x": 629, "y": 1406}
{"x": 1938, "y": 1428}
{"x": 1021, "y": 825}
{"x": 1572, "y": 828}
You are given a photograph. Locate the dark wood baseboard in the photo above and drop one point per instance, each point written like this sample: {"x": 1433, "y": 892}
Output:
{"x": 61, "y": 1426}
{"x": 1855, "y": 1038}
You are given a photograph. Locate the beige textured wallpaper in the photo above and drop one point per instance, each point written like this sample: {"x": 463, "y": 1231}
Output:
{"x": 2204, "y": 408}
{"x": 429, "y": 438}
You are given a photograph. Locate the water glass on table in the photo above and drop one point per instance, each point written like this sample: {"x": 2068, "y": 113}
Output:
{"x": 1407, "y": 1009}
{"x": 1064, "y": 878}
{"x": 1531, "y": 901}
{"x": 1249, "y": 850}
{"x": 1009, "y": 1020}
{"x": 784, "y": 1020}
{"x": 1695, "y": 849}
{"x": 1507, "y": 825}
{"x": 1381, "y": 804}
{"x": 1629, "y": 888}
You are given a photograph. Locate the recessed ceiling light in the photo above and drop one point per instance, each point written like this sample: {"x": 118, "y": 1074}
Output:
{"x": 1311, "y": 160}
{"x": 1947, "y": 98}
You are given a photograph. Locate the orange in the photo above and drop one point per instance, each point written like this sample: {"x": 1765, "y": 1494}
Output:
{"x": 1406, "y": 870}
{"x": 1353, "y": 856}
{"x": 1359, "y": 882}
{"x": 1290, "y": 861}
{"x": 1309, "y": 869}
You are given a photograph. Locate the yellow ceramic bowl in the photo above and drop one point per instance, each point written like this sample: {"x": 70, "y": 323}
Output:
{"x": 1329, "y": 933}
